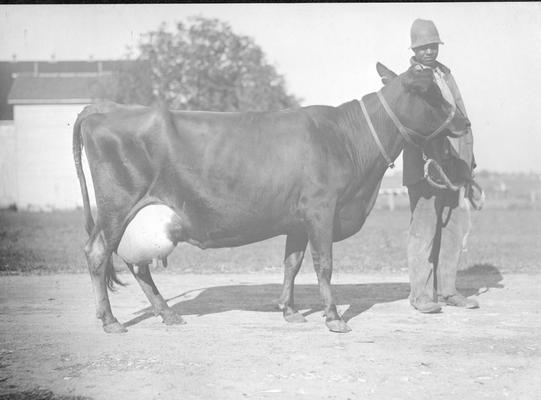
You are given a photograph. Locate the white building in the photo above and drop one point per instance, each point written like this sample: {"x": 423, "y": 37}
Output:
{"x": 36, "y": 160}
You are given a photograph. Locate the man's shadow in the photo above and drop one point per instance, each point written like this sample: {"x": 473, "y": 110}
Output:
{"x": 360, "y": 297}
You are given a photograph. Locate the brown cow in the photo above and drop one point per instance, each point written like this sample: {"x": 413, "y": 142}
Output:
{"x": 229, "y": 179}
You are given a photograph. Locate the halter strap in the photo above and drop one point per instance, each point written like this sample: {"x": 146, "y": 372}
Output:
{"x": 406, "y": 132}
{"x": 390, "y": 162}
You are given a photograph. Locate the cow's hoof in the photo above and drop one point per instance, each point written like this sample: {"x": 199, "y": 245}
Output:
{"x": 172, "y": 318}
{"x": 294, "y": 317}
{"x": 338, "y": 325}
{"x": 114, "y": 327}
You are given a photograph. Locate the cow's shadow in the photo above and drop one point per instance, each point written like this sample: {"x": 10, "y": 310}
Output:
{"x": 360, "y": 297}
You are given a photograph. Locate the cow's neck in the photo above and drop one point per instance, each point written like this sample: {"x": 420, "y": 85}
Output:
{"x": 370, "y": 165}
{"x": 369, "y": 155}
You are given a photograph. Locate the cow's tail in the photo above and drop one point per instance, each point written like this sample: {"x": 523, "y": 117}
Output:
{"x": 110, "y": 273}
{"x": 77, "y": 156}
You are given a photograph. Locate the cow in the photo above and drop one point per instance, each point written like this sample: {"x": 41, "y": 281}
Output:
{"x": 217, "y": 179}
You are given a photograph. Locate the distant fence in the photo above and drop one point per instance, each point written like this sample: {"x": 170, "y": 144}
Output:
{"x": 391, "y": 194}
{"x": 498, "y": 195}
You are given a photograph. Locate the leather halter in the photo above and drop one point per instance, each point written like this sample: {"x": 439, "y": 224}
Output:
{"x": 390, "y": 163}
{"x": 407, "y": 133}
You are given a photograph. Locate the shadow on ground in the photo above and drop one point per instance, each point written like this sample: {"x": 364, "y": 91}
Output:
{"x": 360, "y": 297}
{"x": 479, "y": 279}
{"x": 39, "y": 394}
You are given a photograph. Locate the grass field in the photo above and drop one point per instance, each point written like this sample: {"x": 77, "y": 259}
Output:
{"x": 53, "y": 242}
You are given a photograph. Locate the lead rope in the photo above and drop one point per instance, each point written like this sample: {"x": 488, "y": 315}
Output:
{"x": 436, "y": 242}
{"x": 447, "y": 182}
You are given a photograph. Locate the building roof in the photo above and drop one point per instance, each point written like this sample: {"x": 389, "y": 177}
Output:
{"x": 60, "y": 89}
{"x": 9, "y": 69}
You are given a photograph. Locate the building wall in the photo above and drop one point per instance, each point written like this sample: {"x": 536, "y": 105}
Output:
{"x": 46, "y": 177}
{"x": 8, "y": 178}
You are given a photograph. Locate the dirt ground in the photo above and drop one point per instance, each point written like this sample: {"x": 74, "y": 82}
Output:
{"x": 236, "y": 345}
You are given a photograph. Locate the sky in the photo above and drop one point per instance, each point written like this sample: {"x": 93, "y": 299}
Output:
{"x": 327, "y": 53}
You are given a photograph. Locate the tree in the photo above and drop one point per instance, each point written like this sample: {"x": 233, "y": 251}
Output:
{"x": 203, "y": 65}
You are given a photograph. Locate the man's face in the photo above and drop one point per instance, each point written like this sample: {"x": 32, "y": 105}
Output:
{"x": 427, "y": 54}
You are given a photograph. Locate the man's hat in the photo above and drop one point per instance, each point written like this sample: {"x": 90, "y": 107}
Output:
{"x": 423, "y": 32}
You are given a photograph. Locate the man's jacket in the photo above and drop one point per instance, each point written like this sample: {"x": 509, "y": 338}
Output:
{"x": 460, "y": 160}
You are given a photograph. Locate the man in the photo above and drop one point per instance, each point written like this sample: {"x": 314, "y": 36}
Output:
{"x": 426, "y": 201}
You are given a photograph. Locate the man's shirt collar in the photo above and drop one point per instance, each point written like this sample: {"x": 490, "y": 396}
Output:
{"x": 438, "y": 65}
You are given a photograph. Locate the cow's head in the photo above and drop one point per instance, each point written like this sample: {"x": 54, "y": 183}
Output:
{"x": 418, "y": 102}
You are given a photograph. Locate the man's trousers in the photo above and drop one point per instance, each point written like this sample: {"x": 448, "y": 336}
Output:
{"x": 420, "y": 239}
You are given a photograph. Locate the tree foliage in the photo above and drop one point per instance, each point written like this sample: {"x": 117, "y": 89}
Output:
{"x": 203, "y": 65}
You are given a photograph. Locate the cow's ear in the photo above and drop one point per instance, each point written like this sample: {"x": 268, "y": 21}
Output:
{"x": 385, "y": 73}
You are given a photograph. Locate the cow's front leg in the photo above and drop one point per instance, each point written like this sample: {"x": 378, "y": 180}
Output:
{"x": 294, "y": 254}
{"x": 99, "y": 259}
{"x": 159, "y": 305}
{"x": 320, "y": 236}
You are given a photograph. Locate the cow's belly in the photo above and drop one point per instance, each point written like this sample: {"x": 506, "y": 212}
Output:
{"x": 240, "y": 234}
{"x": 149, "y": 235}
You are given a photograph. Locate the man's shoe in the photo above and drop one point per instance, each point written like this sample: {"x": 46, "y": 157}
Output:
{"x": 426, "y": 306}
{"x": 458, "y": 300}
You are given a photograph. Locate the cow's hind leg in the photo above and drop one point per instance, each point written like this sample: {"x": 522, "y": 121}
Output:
{"x": 99, "y": 259}
{"x": 294, "y": 254}
{"x": 159, "y": 305}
